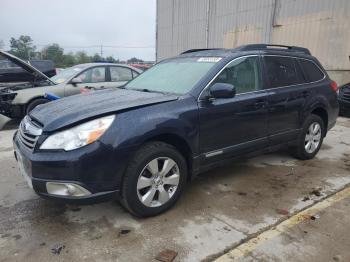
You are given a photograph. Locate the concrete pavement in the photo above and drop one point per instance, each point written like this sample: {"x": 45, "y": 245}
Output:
{"x": 319, "y": 233}
{"x": 220, "y": 210}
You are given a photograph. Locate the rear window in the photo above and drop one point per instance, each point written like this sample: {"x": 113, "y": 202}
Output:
{"x": 311, "y": 70}
{"x": 6, "y": 64}
{"x": 281, "y": 71}
{"x": 42, "y": 65}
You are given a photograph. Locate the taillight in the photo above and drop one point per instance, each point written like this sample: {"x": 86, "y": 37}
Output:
{"x": 334, "y": 86}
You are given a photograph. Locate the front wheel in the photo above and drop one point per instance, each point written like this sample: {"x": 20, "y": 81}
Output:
{"x": 310, "y": 139}
{"x": 154, "y": 179}
{"x": 35, "y": 103}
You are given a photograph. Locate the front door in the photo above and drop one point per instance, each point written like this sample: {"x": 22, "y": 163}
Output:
{"x": 93, "y": 78}
{"x": 231, "y": 126}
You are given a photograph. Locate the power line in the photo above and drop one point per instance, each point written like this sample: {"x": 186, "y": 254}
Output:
{"x": 95, "y": 46}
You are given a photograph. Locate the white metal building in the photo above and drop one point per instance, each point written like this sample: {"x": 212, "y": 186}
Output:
{"x": 323, "y": 26}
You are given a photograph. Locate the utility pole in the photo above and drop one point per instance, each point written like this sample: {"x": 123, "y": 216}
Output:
{"x": 101, "y": 50}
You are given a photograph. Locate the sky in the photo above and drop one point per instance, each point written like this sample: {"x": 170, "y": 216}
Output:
{"x": 84, "y": 25}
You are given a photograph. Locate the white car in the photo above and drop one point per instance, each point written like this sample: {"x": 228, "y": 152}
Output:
{"x": 16, "y": 100}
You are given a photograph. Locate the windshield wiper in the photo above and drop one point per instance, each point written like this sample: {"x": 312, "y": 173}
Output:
{"x": 146, "y": 90}
{"x": 149, "y": 91}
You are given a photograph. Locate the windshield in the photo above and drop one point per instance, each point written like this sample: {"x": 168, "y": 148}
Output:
{"x": 176, "y": 76}
{"x": 66, "y": 74}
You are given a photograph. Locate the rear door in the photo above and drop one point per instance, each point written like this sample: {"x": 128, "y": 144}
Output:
{"x": 92, "y": 78}
{"x": 287, "y": 97}
{"x": 232, "y": 126}
{"x": 119, "y": 76}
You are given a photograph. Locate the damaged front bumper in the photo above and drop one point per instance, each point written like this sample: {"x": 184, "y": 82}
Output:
{"x": 6, "y": 106}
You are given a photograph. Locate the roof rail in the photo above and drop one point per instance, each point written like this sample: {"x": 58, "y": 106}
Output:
{"x": 268, "y": 46}
{"x": 198, "y": 50}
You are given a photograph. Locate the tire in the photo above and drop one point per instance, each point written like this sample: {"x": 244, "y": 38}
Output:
{"x": 139, "y": 182}
{"x": 35, "y": 103}
{"x": 344, "y": 113}
{"x": 304, "y": 149}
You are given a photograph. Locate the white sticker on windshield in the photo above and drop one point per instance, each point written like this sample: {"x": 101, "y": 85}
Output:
{"x": 209, "y": 59}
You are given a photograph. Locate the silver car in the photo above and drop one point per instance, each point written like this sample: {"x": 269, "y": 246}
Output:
{"x": 17, "y": 99}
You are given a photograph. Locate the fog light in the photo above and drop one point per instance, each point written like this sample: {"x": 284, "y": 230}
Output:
{"x": 66, "y": 189}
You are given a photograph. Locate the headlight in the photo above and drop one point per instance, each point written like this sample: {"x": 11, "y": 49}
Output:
{"x": 78, "y": 136}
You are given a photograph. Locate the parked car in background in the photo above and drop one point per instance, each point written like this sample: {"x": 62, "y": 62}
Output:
{"x": 344, "y": 100}
{"x": 59, "y": 70}
{"x": 11, "y": 72}
{"x": 181, "y": 117}
{"x": 142, "y": 67}
{"x": 16, "y": 100}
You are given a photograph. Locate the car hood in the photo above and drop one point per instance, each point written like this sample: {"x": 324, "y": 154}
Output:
{"x": 72, "y": 110}
{"x": 30, "y": 69}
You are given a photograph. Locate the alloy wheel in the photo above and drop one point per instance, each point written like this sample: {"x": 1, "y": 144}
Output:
{"x": 158, "y": 181}
{"x": 313, "y": 137}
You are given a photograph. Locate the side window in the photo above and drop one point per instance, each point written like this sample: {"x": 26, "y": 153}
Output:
{"x": 281, "y": 71}
{"x": 6, "y": 64}
{"x": 312, "y": 72}
{"x": 93, "y": 75}
{"x": 119, "y": 73}
{"x": 242, "y": 73}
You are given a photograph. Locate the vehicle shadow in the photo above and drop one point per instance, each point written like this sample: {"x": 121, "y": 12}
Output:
{"x": 10, "y": 124}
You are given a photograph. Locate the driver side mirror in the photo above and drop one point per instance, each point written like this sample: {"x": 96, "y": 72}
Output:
{"x": 222, "y": 90}
{"x": 76, "y": 81}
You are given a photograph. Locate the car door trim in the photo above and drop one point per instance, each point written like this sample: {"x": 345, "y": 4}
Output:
{"x": 233, "y": 147}
{"x": 214, "y": 153}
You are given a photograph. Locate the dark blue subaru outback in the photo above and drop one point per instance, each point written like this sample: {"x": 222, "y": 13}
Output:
{"x": 144, "y": 141}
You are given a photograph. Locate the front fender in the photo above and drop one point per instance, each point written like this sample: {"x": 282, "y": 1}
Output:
{"x": 26, "y": 95}
{"x": 179, "y": 118}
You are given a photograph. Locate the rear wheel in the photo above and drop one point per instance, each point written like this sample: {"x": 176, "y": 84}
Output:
{"x": 310, "y": 139}
{"x": 35, "y": 103}
{"x": 154, "y": 180}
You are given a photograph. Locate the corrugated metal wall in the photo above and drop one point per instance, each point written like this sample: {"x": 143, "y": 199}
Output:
{"x": 323, "y": 26}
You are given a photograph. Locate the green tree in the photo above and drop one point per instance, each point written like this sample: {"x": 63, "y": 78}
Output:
{"x": 2, "y": 45}
{"x": 81, "y": 57}
{"x": 134, "y": 60}
{"x": 55, "y": 53}
{"x": 110, "y": 59}
{"x": 68, "y": 60}
{"x": 97, "y": 58}
{"x": 22, "y": 47}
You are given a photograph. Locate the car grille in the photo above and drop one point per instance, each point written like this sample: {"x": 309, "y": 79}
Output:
{"x": 29, "y": 132}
